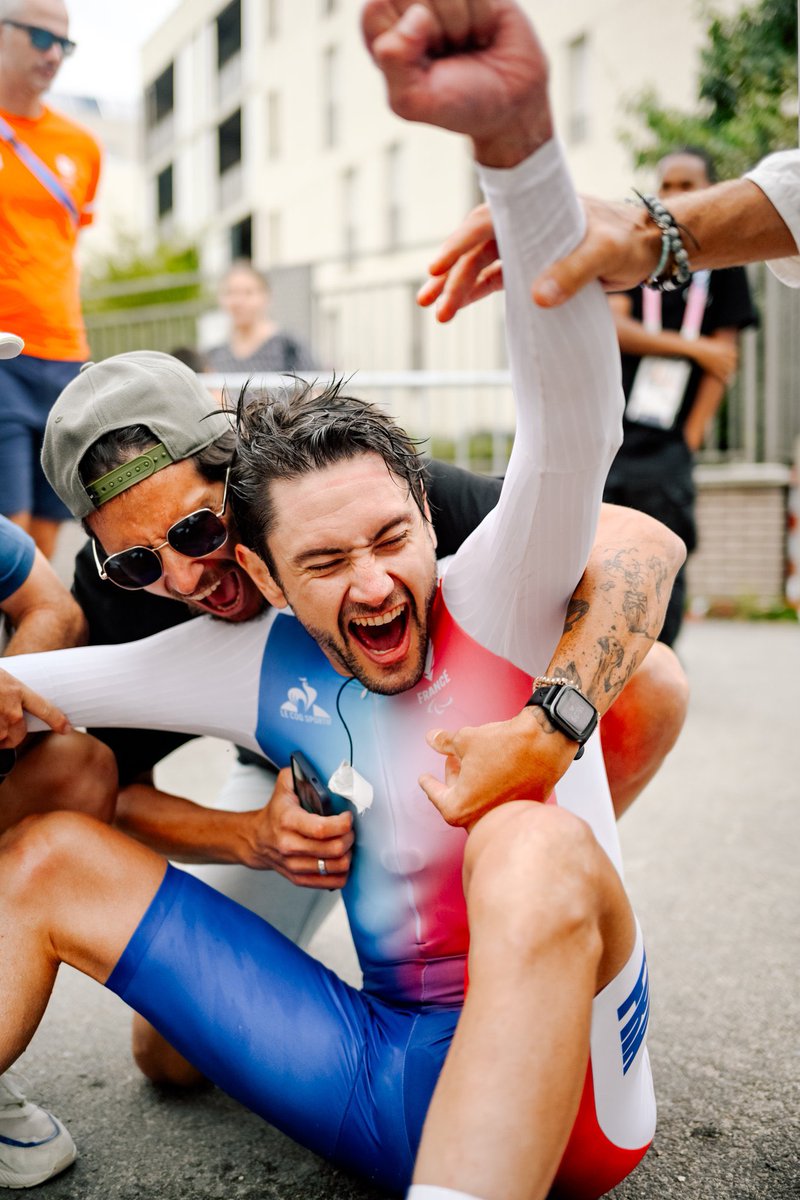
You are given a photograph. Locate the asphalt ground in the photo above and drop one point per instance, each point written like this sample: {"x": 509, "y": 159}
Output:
{"x": 711, "y": 864}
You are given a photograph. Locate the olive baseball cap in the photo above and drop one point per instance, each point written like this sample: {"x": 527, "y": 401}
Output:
{"x": 143, "y": 387}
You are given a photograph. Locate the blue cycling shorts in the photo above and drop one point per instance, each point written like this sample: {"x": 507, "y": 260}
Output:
{"x": 344, "y": 1074}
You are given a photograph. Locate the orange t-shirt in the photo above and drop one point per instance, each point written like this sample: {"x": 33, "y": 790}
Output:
{"x": 39, "y": 292}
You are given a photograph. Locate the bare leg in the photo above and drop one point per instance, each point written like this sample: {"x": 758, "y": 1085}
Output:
{"x": 45, "y": 534}
{"x": 23, "y": 519}
{"x": 643, "y": 724}
{"x": 73, "y": 891}
{"x": 158, "y": 1060}
{"x": 73, "y": 772}
{"x": 550, "y": 925}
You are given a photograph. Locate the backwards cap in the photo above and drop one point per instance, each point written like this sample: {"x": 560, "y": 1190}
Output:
{"x": 143, "y": 387}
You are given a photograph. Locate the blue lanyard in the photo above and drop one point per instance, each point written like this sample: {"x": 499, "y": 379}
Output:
{"x": 39, "y": 170}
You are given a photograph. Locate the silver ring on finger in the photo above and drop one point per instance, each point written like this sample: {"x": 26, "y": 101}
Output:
{"x": 323, "y": 870}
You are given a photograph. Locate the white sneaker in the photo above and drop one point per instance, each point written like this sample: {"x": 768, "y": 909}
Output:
{"x": 33, "y": 1144}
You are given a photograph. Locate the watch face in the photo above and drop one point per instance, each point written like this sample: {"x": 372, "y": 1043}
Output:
{"x": 574, "y": 710}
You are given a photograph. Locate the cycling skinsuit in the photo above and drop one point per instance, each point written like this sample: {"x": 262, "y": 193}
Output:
{"x": 350, "y": 1073}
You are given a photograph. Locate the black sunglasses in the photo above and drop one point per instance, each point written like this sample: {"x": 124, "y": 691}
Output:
{"x": 8, "y": 759}
{"x": 194, "y": 536}
{"x": 43, "y": 39}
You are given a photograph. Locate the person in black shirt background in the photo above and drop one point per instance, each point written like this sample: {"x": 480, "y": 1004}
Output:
{"x": 668, "y": 405}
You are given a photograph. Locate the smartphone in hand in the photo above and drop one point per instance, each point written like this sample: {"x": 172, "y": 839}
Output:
{"x": 312, "y": 793}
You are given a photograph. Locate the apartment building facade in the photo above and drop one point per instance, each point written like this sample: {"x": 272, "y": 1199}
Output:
{"x": 267, "y": 135}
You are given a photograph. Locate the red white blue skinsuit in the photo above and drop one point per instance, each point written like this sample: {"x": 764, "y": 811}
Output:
{"x": 350, "y": 1073}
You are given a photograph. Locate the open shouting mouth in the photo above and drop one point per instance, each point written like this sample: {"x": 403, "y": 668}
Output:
{"x": 223, "y": 596}
{"x": 384, "y": 636}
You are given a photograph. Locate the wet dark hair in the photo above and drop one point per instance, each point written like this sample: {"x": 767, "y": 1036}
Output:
{"x": 304, "y": 427}
{"x": 119, "y": 446}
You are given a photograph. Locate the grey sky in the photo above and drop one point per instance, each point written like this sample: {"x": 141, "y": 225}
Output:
{"x": 109, "y": 34}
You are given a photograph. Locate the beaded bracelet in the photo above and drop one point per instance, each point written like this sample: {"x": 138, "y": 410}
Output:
{"x": 672, "y": 248}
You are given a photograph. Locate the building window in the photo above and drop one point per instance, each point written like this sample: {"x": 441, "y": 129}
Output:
{"x": 241, "y": 235}
{"x": 273, "y": 125}
{"x": 229, "y": 32}
{"x": 330, "y": 97}
{"x": 229, "y": 141}
{"x": 273, "y": 18}
{"x": 578, "y": 89}
{"x": 159, "y": 98}
{"x": 164, "y": 196}
{"x": 394, "y": 197}
{"x": 350, "y": 213}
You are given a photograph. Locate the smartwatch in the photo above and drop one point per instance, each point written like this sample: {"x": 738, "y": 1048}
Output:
{"x": 568, "y": 711}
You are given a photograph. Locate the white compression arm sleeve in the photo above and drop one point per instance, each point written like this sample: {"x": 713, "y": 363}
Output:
{"x": 202, "y": 677}
{"x": 509, "y": 584}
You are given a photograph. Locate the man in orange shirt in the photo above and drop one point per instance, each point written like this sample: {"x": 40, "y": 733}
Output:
{"x": 49, "y": 168}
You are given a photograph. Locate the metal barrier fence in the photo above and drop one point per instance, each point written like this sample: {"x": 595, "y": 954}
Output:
{"x": 464, "y": 417}
{"x": 760, "y": 418}
{"x": 150, "y": 327}
{"x": 467, "y": 414}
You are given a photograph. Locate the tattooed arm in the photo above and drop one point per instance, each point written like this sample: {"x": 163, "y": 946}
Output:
{"x": 612, "y": 622}
{"x": 618, "y": 608}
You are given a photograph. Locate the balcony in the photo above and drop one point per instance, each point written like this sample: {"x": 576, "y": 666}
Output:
{"x": 229, "y": 81}
{"x": 231, "y": 186}
{"x": 160, "y": 137}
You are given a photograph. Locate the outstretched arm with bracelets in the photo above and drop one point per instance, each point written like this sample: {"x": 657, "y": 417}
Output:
{"x": 731, "y": 223}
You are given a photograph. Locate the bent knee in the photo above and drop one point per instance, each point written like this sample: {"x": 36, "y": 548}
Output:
{"x": 643, "y": 724}
{"x": 534, "y": 872}
{"x": 668, "y": 678}
{"x": 521, "y": 830}
{"x": 38, "y": 850}
{"x": 658, "y": 689}
{"x": 85, "y": 777}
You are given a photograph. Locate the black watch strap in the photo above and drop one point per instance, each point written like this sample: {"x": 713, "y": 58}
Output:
{"x": 551, "y": 697}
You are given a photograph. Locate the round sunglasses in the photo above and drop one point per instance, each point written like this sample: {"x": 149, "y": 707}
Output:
{"x": 43, "y": 39}
{"x": 196, "y": 535}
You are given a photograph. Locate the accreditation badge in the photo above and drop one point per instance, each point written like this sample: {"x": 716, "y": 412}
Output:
{"x": 658, "y": 390}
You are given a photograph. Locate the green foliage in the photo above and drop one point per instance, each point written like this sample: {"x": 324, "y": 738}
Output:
{"x": 121, "y": 280}
{"x": 748, "y": 608}
{"x": 747, "y": 93}
{"x": 478, "y": 450}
